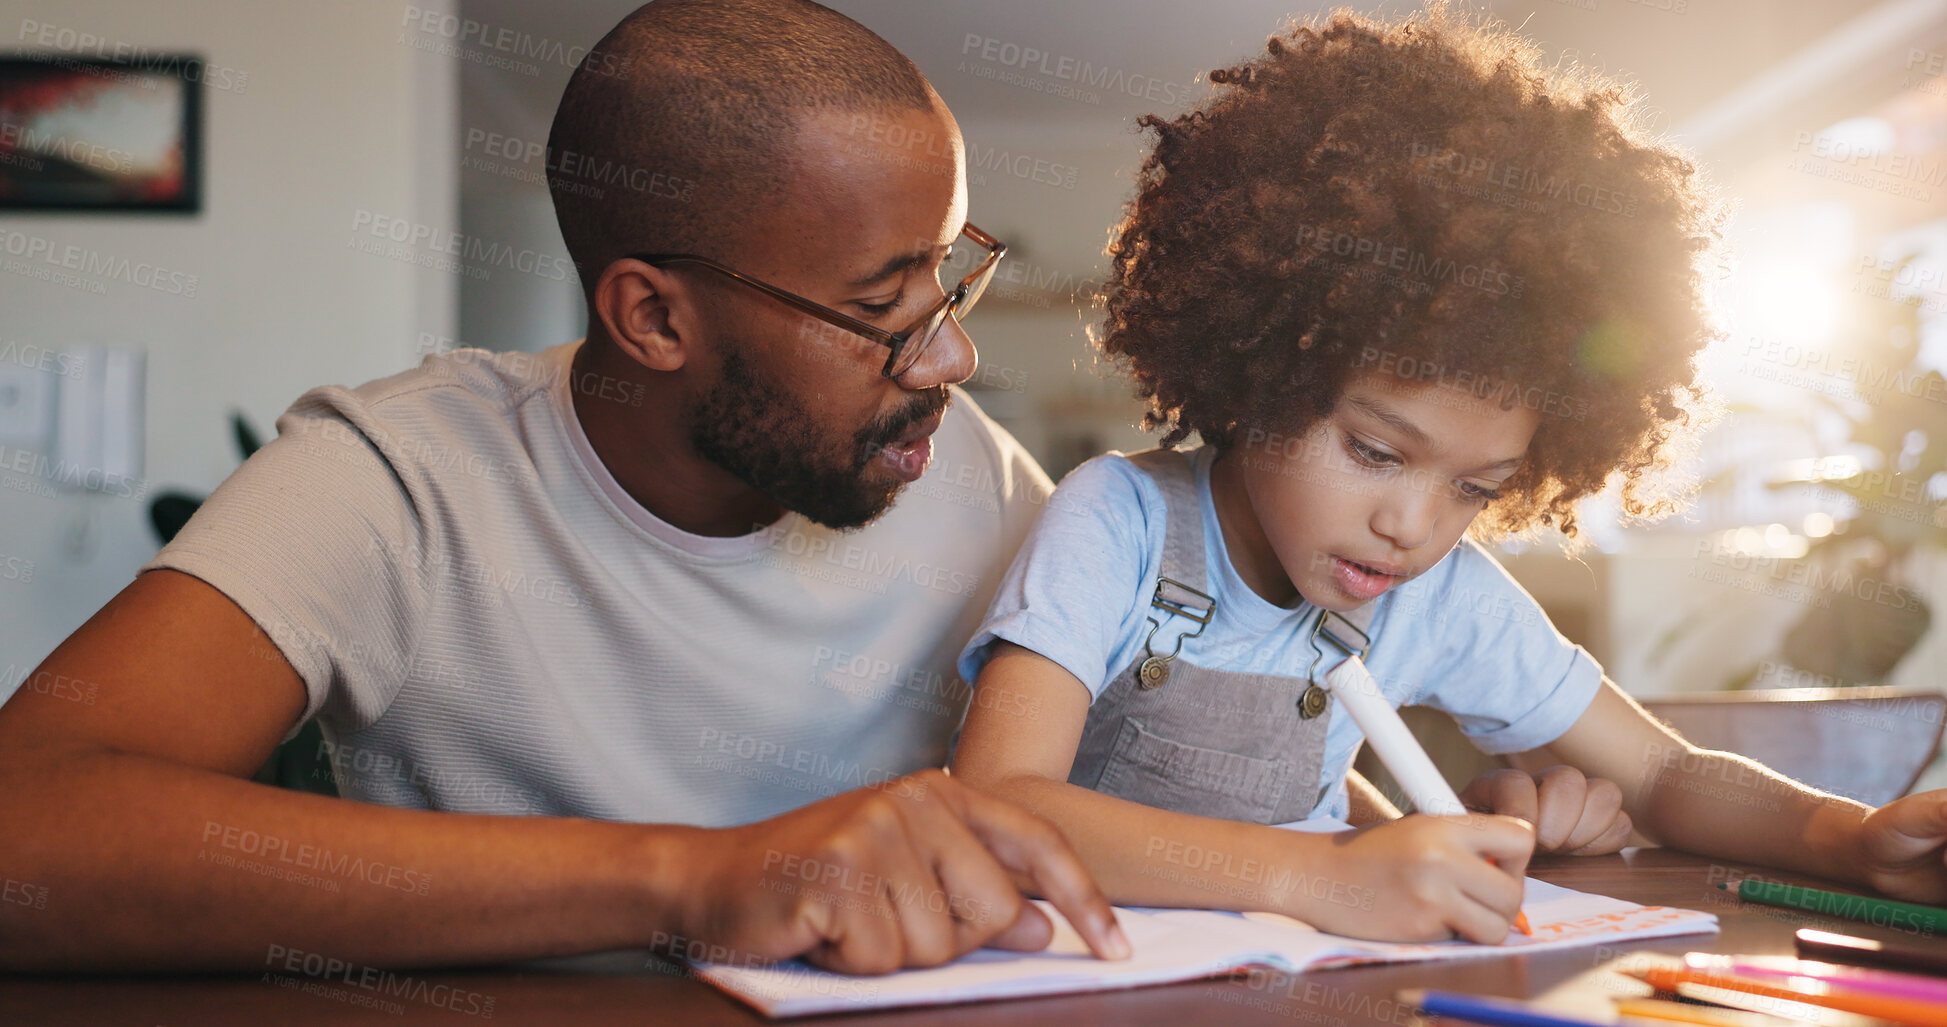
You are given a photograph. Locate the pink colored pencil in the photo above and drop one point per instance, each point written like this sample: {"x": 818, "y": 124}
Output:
{"x": 1878, "y": 982}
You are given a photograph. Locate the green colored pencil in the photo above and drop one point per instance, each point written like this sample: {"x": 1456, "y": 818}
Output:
{"x": 1900, "y": 916}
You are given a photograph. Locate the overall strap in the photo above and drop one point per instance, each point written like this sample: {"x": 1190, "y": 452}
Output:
{"x": 1183, "y": 554}
{"x": 1360, "y": 618}
{"x": 1335, "y": 636}
{"x": 1181, "y": 598}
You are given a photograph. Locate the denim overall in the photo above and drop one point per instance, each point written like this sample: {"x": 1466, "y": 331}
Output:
{"x": 1216, "y": 743}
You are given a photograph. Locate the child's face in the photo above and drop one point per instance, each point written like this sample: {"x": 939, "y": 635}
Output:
{"x": 1380, "y": 489}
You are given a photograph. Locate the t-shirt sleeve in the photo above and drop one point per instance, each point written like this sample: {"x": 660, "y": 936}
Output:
{"x": 1072, "y": 589}
{"x": 319, "y": 540}
{"x": 1508, "y": 678}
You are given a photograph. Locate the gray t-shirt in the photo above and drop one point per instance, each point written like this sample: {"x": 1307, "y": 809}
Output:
{"x": 486, "y": 622}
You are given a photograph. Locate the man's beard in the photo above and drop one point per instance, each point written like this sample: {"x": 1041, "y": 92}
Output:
{"x": 760, "y": 432}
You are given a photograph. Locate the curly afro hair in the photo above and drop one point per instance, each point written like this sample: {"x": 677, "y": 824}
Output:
{"x": 1421, "y": 198}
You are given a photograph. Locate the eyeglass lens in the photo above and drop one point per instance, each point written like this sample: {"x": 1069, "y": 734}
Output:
{"x": 964, "y": 258}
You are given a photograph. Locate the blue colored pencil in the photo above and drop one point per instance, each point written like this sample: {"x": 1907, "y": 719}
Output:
{"x": 1498, "y": 1012}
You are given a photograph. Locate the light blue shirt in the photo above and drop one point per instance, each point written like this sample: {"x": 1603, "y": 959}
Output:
{"x": 1463, "y": 637}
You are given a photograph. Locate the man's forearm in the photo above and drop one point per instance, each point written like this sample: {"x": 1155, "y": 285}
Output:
{"x": 1724, "y": 805}
{"x": 144, "y": 864}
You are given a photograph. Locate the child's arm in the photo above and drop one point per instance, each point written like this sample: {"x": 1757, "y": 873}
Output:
{"x": 1724, "y": 805}
{"x": 1414, "y": 879}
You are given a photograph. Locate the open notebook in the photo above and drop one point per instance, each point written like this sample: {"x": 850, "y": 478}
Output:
{"x": 1180, "y": 945}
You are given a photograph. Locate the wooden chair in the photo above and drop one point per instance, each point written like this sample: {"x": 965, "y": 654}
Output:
{"x": 1869, "y": 743}
{"x": 1866, "y": 743}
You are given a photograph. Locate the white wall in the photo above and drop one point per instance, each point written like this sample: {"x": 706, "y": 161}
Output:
{"x": 337, "y": 113}
{"x": 505, "y": 116}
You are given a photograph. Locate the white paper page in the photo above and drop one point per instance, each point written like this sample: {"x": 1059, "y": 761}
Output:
{"x": 1170, "y": 945}
{"x": 1185, "y": 944}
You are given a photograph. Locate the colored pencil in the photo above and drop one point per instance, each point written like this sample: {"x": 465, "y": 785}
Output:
{"x": 1878, "y": 982}
{"x": 1497, "y": 1012}
{"x": 1844, "y": 948}
{"x": 1803, "y": 1012}
{"x": 1903, "y": 1010}
{"x": 1690, "y": 1012}
{"x": 1900, "y": 916}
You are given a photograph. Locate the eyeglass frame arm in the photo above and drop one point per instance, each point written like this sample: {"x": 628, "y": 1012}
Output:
{"x": 893, "y": 341}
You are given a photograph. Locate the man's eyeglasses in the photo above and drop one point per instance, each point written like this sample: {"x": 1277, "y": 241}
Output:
{"x": 906, "y": 346}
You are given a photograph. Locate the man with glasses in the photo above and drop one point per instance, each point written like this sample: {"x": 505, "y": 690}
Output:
{"x": 844, "y": 497}
{"x": 658, "y": 590}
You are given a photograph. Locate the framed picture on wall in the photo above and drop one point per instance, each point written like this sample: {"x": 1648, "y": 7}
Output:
{"x": 96, "y": 134}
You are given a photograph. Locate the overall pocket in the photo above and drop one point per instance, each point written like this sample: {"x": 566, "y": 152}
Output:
{"x": 1156, "y": 771}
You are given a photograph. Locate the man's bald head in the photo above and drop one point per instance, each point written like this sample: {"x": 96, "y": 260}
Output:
{"x": 676, "y": 132}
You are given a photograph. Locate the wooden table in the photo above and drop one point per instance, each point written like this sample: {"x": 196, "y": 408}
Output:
{"x": 631, "y": 988}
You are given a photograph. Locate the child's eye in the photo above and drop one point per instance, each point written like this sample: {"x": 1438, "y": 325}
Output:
{"x": 1475, "y": 494}
{"x": 1371, "y": 456}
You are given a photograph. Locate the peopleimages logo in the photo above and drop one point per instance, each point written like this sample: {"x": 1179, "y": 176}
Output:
{"x": 31, "y": 468}
{"x": 476, "y": 256}
{"x": 1023, "y": 166}
{"x": 149, "y": 63}
{"x": 22, "y": 143}
{"x": 1015, "y": 57}
{"x": 39, "y": 249}
{"x": 270, "y": 847}
{"x": 375, "y": 985}
{"x": 1423, "y": 269}
{"x": 806, "y": 549}
{"x": 1520, "y": 179}
{"x": 40, "y": 358}
{"x": 580, "y": 172}
{"x": 510, "y": 42}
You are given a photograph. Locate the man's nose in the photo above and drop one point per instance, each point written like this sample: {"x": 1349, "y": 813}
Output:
{"x": 948, "y": 360}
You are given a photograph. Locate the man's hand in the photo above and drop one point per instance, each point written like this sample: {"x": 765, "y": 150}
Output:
{"x": 915, "y": 872}
{"x": 1571, "y": 814}
{"x": 1902, "y": 847}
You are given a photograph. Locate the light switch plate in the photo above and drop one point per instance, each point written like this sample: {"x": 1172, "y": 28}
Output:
{"x": 100, "y": 418}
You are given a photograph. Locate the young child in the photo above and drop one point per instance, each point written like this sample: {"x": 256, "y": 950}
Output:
{"x": 1408, "y": 288}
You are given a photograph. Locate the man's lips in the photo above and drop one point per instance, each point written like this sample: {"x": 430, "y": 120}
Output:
{"x": 908, "y": 456}
{"x": 920, "y": 430}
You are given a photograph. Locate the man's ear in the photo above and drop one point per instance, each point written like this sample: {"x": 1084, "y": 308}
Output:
{"x": 648, "y": 313}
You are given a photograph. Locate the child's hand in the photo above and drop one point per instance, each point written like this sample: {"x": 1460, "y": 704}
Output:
{"x": 1419, "y": 878}
{"x": 1571, "y": 814}
{"x": 1902, "y": 843}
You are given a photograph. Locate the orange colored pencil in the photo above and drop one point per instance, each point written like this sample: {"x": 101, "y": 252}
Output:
{"x": 1685, "y": 1012}
{"x": 1907, "y": 1011}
